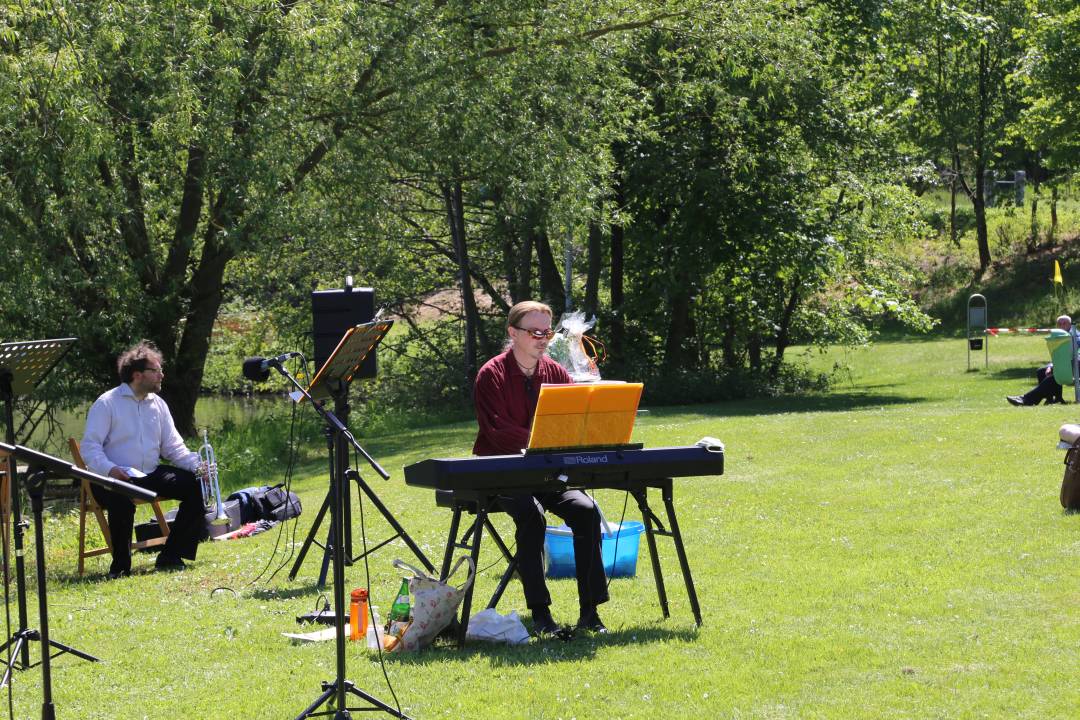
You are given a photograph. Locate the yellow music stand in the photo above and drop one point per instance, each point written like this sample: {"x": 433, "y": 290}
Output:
{"x": 578, "y": 416}
{"x": 356, "y": 344}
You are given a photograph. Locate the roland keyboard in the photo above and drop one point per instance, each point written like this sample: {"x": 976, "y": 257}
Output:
{"x": 541, "y": 471}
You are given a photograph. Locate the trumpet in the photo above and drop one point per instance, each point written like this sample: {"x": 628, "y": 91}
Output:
{"x": 208, "y": 482}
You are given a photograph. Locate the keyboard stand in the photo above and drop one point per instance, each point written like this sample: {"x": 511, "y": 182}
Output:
{"x": 482, "y": 503}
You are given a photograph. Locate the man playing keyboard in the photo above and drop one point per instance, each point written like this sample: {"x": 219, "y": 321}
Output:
{"x": 505, "y": 393}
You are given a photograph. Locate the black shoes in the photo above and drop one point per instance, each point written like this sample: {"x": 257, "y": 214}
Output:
{"x": 543, "y": 623}
{"x": 169, "y": 564}
{"x": 117, "y": 574}
{"x": 591, "y": 622}
{"x": 1015, "y": 400}
{"x": 544, "y": 627}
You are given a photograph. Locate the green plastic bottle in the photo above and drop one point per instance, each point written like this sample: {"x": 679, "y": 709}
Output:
{"x": 400, "y": 610}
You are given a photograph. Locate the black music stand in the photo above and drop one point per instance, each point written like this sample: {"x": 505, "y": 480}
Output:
{"x": 332, "y": 381}
{"x": 23, "y": 365}
{"x": 41, "y": 468}
{"x": 339, "y": 369}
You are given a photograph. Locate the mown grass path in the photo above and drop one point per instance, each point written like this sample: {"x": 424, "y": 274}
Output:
{"x": 893, "y": 549}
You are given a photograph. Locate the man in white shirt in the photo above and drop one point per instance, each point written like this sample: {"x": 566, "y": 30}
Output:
{"x": 129, "y": 430}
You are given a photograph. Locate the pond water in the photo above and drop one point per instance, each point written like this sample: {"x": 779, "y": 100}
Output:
{"x": 211, "y": 411}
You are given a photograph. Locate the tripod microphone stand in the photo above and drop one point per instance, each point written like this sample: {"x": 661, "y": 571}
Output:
{"x": 341, "y": 409}
{"x": 338, "y": 369}
{"x": 333, "y": 380}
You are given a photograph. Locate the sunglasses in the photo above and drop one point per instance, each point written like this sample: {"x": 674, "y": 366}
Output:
{"x": 538, "y": 334}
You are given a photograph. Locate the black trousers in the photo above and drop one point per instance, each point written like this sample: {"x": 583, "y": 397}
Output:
{"x": 187, "y": 530}
{"x": 580, "y": 513}
{"x": 1048, "y": 388}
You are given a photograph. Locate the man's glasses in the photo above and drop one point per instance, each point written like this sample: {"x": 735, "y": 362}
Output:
{"x": 547, "y": 333}
{"x": 153, "y": 370}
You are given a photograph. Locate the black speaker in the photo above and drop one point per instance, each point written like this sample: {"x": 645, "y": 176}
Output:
{"x": 335, "y": 311}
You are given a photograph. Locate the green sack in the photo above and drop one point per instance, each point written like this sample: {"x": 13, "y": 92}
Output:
{"x": 1060, "y": 346}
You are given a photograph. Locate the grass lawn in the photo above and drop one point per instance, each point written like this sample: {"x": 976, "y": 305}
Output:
{"x": 892, "y": 549}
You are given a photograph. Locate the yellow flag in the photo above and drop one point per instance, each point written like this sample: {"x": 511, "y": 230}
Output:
{"x": 1057, "y": 274}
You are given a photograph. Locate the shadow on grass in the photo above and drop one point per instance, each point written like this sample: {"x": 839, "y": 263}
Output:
{"x": 292, "y": 592}
{"x": 833, "y": 402}
{"x": 1013, "y": 373}
{"x": 581, "y": 647}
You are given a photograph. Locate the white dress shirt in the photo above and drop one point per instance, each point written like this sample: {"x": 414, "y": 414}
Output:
{"x": 122, "y": 431}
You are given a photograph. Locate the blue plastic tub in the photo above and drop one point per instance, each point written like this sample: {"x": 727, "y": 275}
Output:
{"x": 619, "y": 550}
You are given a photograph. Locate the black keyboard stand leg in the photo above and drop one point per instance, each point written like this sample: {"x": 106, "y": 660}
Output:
{"x": 504, "y": 581}
{"x": 451, "y": 543}
{"x": 676, "y": 535}
{"x": 498, "y": 540}
{"x": 658, "y": 574}
{"x": 466, "y": 602}
{"x": 511, "y": 564}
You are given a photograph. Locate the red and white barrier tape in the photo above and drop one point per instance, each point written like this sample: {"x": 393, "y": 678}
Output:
{"x": 1016, "y": 331}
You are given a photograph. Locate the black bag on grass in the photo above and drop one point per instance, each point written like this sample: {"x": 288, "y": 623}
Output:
{"x": 277, "y": 503}
{"x": 1070, "y": 484}
{"x": 267, "y": 503}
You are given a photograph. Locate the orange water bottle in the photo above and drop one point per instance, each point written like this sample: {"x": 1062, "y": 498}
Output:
{"x": 358, "y": 614}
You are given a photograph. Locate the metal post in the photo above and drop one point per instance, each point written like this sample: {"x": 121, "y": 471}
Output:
{"x": 1075, "y": 363}
{"x": 977, "y": 322}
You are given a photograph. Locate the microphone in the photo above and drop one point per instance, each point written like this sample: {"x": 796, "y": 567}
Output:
{"x": 258, "y": 368}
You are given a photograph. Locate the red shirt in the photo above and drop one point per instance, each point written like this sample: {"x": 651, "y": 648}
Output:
{"x": 505, "y": 403}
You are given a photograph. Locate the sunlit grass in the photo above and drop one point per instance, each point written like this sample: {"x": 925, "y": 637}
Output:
{"x": 893, "y": 548}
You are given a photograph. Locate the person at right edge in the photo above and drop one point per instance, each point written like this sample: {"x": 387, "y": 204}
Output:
{"x": 506, "y": 391}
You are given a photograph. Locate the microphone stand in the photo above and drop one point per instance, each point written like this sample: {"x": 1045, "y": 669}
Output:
{"x": 339, "y": 688}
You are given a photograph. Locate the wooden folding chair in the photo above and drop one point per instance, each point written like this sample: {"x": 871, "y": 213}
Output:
{"x": 87, "y": 504}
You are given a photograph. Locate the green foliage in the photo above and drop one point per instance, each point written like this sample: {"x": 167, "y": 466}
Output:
{"x": 757, "y": 195}
{"x": 189, "y": 173}
{"x": 1050, "y": 80}
{"x": 684, "y": 387}
{"x": 1018, "y": 288}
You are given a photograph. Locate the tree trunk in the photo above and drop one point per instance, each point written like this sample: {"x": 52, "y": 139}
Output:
{"x": 1053, "y": 212}
{"x": 617, "y": 336}
{"x": 753, "y": 349}
{"x": 181, "y": 386}
{"x": 551, "y": 287}
{"x": 729, "y": 352}
{"x": 1033, "y": 235}
{"x": 952, "y": 206}
{"x": 455, "y": 220}
{"x": 978, "y": 203}
{"x": 677, "y": 354}
{"x": 783, "y": 333}
{"x": 592, "y": 278}
{"x": 525, "y": 268}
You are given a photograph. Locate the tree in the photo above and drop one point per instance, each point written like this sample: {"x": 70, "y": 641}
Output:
{"x": 148, "y": 147}
{"x": 946, "y": 71}
{"x": 1049, "y": 78}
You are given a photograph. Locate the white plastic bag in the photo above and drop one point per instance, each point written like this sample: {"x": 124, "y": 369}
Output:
{"x": 490, "y": 625}
{"x": 568, "y": 349}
